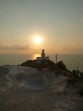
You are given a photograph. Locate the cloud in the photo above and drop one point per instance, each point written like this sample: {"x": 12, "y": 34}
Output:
{"x": 14, "y": 47}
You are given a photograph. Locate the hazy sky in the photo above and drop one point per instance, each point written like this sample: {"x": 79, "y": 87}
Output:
{"x": 58, "y": 22}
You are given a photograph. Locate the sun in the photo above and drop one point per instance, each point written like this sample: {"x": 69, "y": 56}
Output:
{"x": 37, "y": 39}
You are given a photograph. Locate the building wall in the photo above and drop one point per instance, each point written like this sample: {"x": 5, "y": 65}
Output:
{"x": 42, "y": 58}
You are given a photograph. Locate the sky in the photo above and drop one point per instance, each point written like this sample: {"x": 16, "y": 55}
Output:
{"x": 58, "y": 22}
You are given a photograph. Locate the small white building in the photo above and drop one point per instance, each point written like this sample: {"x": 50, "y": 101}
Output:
{"x": 42, "y": 56}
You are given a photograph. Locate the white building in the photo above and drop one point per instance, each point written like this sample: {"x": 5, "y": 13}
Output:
{"x": 42, "y": 56}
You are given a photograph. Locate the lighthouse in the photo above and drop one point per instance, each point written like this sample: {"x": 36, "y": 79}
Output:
{"x": 43, "y": 54}
{"x": 43, "y": 57}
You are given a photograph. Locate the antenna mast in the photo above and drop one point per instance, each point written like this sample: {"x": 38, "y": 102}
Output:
{"x": 56, "y": 56}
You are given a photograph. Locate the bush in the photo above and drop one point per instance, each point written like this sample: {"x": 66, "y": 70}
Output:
{"x": 61, "y": 65}
{"x": 72, "y": 81}
{"x": 81, "y": 91}
{"x": 39, "y": 64}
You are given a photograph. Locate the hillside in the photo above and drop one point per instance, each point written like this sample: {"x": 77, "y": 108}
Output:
{"x": 29, "y": 89}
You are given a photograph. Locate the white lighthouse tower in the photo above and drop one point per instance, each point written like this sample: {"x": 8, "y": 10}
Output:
{"x": 42, "y": 56}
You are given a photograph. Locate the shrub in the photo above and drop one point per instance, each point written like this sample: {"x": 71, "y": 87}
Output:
{"x": 39, "y": 64}
{"x": 61, "y": 65}
{"x": 81, "y": 91}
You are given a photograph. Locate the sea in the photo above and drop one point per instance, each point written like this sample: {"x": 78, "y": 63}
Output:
{"x": 71, "y": 61}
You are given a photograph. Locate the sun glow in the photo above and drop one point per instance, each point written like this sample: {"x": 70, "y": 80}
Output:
{"x": 37, "y": 39}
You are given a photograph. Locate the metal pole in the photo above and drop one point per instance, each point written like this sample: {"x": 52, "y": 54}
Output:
{"x": 56, "y": 56}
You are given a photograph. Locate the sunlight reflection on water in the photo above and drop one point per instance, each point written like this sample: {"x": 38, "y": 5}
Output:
{"x": 36, "y": 55}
